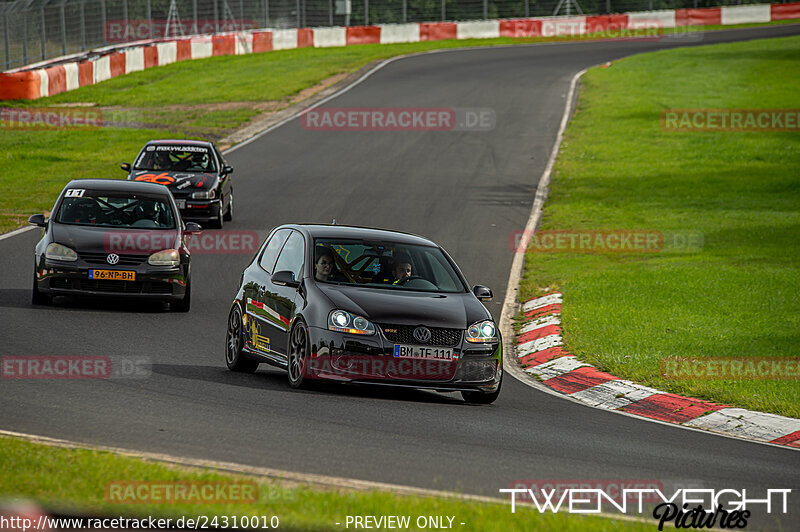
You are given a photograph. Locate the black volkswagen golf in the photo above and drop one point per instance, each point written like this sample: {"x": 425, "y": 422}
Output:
{"x": 367, "y": 306}
{"x": 196, "y": 174}
{"x": 113, "y": 238}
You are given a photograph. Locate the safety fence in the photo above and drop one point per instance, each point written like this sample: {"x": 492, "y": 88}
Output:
{"x": 36, "y": 30}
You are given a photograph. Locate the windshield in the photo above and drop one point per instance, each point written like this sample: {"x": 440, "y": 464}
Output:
{"x": 176, "y": 158}
{"x": 385, "y": 265}
{"x": 119, "y": 209}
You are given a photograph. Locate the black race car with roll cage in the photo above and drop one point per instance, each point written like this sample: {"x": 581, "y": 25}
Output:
{"x": 364, "y": 306}
{"x": 113, "y": 238}
{"x": 196, "y": 174}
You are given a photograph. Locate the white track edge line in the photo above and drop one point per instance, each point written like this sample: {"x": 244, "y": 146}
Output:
{"x": 510, "y": 304}
{"x": 277, "y": 474}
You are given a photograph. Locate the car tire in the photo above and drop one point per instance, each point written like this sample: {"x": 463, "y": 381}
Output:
{"x": 298, "y": 354}
{"x": 184, "y": 304}
{"x": 234, "y": 342}
{"x": 481, "y": 398}
{"x": 229, "y": 215}
{"x": 38, "y": 298}
{"x": 217, "y": 223}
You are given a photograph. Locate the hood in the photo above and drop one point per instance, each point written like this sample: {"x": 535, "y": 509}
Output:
{"x": 455, "y": 311}
{"x": 178, "y": 181}
{"x": 89, "y": 239}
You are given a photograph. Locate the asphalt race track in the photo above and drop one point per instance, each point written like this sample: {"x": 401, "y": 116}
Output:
{"x": 467, "y": 190}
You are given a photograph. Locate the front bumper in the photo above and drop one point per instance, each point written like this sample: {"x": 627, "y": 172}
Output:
{"x": 370, "y": 360}
{"x": 58, "y": 279}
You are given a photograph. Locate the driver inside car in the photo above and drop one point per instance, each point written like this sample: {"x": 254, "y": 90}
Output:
{"x": 401, "y": 269}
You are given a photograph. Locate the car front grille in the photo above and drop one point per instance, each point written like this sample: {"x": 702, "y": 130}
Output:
{"x": 404, "y": 334}
{"x": 125, "y": 259}
{"x": 121, "y": 287}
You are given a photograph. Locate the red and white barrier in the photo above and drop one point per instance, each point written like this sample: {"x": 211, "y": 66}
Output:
{"x": 31, "y": 83}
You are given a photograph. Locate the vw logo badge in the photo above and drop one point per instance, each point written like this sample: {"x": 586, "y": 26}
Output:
{"x": 112, "y": 258}
{"x": 422, "y": 335}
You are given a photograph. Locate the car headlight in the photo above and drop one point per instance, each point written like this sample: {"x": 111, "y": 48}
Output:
{"x": 204, "y": 194}
{"x": 165, "y": 257}
{"x": 58, "y": 252}
{"x": 343, "y": 321}
{"x": 482, "y": 332}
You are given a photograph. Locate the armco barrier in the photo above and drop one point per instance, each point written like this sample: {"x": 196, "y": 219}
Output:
{"x": 64, "y": 74}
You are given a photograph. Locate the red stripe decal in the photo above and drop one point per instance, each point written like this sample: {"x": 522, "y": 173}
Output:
{"x": 534, "y": 359}
{"x": 305, "y": 37}
{"x": 437, "y": 31}
{"x": 538, "y": 333}
{"x": 223, "y": 45}
{"x": 670, "y": 407}
{"x": 698, "y": 17}
{"x": 579, "y": 379}
{"x": 85, "y": 73}
{"x": 183, "y": 50}
{"x": 56, "y": 79}
{"x": 363, "y": 35}
{"x": 262, "y": 41}
{"x": 792, "y": 440}
{"x": 555, "y": 308}
{"x": 785, "y": 11}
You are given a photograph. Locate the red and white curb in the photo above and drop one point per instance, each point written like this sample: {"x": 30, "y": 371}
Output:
{"x": 540, "y": 352}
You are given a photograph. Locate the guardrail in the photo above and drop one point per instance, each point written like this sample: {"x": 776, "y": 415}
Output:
{"x": 70, "y": 72}
{"x": 38, "y": 30}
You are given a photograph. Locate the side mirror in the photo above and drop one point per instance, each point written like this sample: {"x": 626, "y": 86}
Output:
{"x": 482, "y": 292}
{"x": 191, "y": 228}
{"x": 227, "y": 169}
{"x": 38, "y": 219}
{"x": 125, "y": 166}
{"x": 285, "y": 278}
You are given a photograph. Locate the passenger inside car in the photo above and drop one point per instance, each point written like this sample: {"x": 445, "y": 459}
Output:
{"x": 325, "y": 266}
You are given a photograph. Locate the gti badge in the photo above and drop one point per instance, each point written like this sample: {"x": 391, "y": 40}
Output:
{"x": 112, "y": 258}
{"x": 422, "y": 335}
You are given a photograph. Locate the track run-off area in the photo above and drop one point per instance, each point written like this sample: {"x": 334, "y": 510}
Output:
{"x": 467, "y": 190}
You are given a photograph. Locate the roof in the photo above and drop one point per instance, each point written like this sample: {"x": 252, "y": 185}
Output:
{"x": 360, "y": 233}
{"x": 118, "y": 185}
{"x": 204, "y": 143}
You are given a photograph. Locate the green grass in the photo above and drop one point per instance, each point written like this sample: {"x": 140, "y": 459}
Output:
{"x": 37, "y": 164}
{"x": 75, "y": 480}
{"x": 618, "y": 169}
